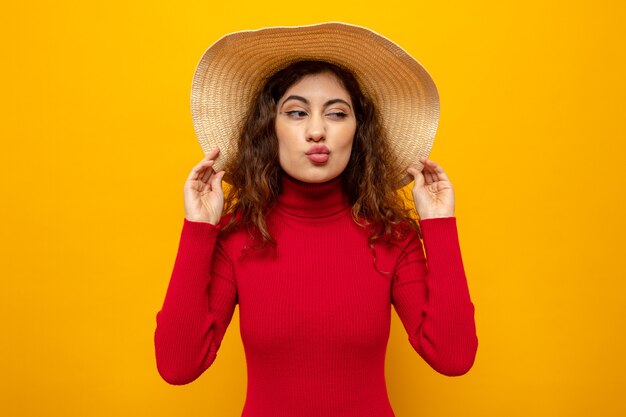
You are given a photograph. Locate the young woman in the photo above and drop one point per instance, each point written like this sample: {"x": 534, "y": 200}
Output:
{"x": 316, "y": 244}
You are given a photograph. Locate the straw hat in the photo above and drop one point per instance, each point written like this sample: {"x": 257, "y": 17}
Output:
{"x": 234, "y": 69}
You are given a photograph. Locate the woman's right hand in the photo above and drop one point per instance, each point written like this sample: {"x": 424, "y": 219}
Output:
{"x": 204, "y": 198}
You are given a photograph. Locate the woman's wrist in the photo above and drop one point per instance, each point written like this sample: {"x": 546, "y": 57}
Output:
{"x": 199, "y": 220}
{"x": 435, "y": 215}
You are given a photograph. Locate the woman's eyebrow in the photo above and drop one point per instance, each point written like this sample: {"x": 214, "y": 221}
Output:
{"x": 328, "y": 103}
{"x": 295, "y": 97}
{"x": 337, "y": 100}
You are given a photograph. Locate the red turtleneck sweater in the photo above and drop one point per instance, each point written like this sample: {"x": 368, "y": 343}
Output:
{"x": 315, "y": 314}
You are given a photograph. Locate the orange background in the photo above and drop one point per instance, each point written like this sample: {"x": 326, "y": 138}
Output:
{"x": 97, "y": 142}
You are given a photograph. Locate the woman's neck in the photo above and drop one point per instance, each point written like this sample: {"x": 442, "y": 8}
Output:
{"x": 312, "y": 199}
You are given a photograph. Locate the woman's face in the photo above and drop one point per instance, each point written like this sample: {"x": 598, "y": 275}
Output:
{"x": 315, "y": 126}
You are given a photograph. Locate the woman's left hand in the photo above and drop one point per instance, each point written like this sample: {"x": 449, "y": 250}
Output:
{"x": 432, "y": 191}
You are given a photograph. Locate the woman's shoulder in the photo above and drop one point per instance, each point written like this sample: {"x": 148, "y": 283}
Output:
{"x": 389, "y": 250}
{"x": 391, "y": 247}
{"x": 397, "y": 234}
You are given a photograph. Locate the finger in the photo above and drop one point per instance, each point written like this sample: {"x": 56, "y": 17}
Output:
{"x": 205, "y": 175}
{"x": 425, "y": 164}
{"x": 418, "y": 178}
{"x": 429, "y": 177}
{"x": 435, "y": 170}
{"x": 426, "y": 171}
{"x": 425, "y": 175}
{"x": 197, "y": 170}
{"x": 209, "y": 157}
{"x": 435, "y": 167}
{"x": 212, "y": 153}
{"x": 416, "y": 166}
{"x": 216, "y": 181}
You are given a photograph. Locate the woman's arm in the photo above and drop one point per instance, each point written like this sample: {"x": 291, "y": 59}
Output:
{"x": 431, "y": 296}
{"x": 201, "y": 295}
{"x": 198, "y": 306}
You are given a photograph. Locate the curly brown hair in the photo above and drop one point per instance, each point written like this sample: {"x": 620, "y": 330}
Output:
{"x": 370, "y": 179}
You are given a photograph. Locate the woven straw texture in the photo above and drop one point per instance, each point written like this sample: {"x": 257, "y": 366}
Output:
{"x": 233, "y": 69}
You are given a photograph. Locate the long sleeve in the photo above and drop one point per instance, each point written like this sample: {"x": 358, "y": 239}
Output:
{"x": 431, "y": 296}
{"x": 198, "y": 306}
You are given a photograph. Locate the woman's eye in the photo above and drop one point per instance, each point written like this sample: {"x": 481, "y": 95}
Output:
{"x": 296, "y": 114}
{"x": 338, "y": 115}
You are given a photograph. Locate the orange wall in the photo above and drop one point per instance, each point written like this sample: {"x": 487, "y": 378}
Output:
{"x": 97, "y": 142}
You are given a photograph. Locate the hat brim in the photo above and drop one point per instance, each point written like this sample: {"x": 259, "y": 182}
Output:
{"x": 234, "y": 69}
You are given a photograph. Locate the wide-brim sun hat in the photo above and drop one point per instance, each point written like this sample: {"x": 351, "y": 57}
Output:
{"x": 232, "y": 71}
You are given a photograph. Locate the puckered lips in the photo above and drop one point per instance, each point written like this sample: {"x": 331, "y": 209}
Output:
{"x": 318, "y": 154}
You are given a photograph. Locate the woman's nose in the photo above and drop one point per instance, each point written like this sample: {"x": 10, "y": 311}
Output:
{"x": 316, "y": 129}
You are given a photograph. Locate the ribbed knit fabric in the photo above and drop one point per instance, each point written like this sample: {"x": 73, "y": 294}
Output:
{"x": 315, "y": 313}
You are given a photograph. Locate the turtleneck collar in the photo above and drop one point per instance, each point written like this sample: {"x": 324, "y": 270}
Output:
{"x": 312, "y": 199}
